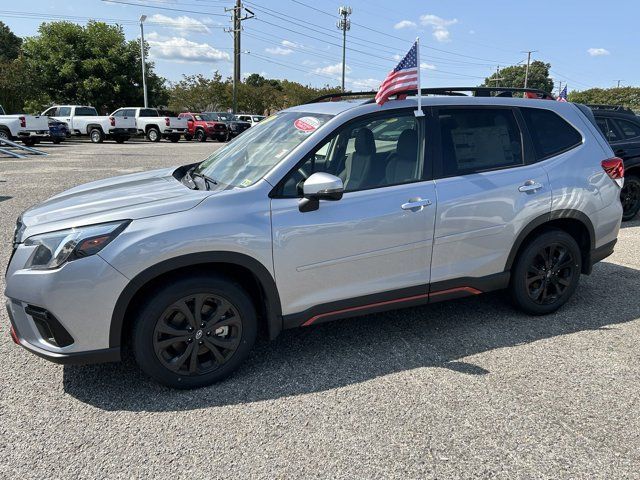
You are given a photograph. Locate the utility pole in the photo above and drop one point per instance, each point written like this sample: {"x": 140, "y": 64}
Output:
{"x": 526, "y": 74}
{"x": 236, "y": 19}
{"x": 144, "y": 75}
{"x": 619, "y": 83}
{"x": 559, "y": 87}
{"x": 344, "y": 24}
{"x": 497, "y": 75}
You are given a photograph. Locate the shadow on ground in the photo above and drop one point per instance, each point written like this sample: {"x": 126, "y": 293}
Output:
{"x": 351, "y": 351}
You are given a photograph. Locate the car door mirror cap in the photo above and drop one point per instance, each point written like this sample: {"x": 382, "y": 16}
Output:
{"x": 320, "y": 186}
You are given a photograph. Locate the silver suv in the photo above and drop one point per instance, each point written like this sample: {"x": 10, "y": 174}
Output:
{"x": 322, "y": 211}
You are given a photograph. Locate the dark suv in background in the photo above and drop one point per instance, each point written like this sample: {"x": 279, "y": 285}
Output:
{"x": 621, "y": 127}
{"x": 234, "y": 126}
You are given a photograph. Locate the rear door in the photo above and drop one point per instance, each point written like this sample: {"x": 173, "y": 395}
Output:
{"x": 628, "y": 147}
{"x": 488, "y": 189}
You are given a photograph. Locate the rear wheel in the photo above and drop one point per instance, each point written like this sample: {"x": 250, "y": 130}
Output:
{"x": 153, "y": 134}
{"x": 546, "y": 273}
{"x": 188, "y": 137}
{"x": 29, "y": 142}
{"x": 121, "y": 139}
{"x": 5, "y": 134}
{"x": 194, "y": 332}
{"x": 174, "y": 138}
{"x": 630, "y": 197}
{"x": 201, "y": 136}
{"x": 96, "y": 135}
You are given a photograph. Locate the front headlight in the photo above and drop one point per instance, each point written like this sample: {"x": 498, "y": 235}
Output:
{"x": 55, "y": 248}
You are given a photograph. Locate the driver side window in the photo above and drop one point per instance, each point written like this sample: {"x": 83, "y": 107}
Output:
{"x": 372, "y": 153}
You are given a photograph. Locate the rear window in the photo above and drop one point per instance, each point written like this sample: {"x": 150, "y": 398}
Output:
{"x": 86, "y": 112}
{"x": 477, "y": 140}
{"x": 148, "y": 112}
{"x": 550, "y": 133}
{"x": 628, "y": 129}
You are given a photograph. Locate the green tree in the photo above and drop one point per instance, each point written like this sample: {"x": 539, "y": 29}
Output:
{"x": 625, "y": 96}
{"x": 514, "y": 76}
{"x": 9, "y": 44}
{"x": 92, "y": 64}
{"x": 197, "y": 93}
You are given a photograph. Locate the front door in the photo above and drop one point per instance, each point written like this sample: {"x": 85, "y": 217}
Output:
{"x": 372, "y": 247}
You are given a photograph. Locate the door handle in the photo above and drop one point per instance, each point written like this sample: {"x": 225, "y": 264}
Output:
{"x": 530, "y": 186}
{"x": 416, "y": 204}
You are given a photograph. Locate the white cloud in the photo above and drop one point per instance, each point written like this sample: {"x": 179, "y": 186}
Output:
{"x": 405, "y": 24}
{"x": 332, "y": 69}
{"x": 182, "y": 50}
{"x": 287, "y": 43}
{"x": 598, "y": 52}
{"x": 309, "y": 63}
{"x": 363, "y": 83}
{"x": 439, "y": 26}
{"x": 182, "y": 24}
{"x": 427, "y": 66}
{"x": 278, "y": 51}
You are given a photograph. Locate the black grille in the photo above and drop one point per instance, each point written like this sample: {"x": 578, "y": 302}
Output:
{"x": 49, "y": 327}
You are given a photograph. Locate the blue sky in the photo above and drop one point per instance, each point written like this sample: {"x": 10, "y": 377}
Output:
{"x": 462, "y": 41}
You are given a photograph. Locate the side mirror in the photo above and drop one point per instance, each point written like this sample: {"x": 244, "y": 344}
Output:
{"x": 320, "y": 186}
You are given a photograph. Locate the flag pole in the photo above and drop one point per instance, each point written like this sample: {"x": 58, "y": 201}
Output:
{"x": 419, "y": 112}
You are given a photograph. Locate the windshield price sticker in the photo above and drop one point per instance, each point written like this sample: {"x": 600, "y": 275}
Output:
{"x": 307, "y": 124}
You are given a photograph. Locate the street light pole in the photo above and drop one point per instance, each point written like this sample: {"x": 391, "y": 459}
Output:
{"x": 144, "y": 75}
{"x": 344, "y": 24}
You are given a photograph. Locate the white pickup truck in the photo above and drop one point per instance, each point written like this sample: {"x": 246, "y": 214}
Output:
{"x": 153, "y": 125}
{"x": 27, "y": 128}
{"x": 83, "y": 120}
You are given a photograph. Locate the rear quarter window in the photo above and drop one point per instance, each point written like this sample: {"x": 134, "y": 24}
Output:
{"x": 550, "y": 133}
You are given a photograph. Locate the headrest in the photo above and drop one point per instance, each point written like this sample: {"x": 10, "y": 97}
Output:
{"x": 408, "y": 144}
{"x": 365, "y": 144}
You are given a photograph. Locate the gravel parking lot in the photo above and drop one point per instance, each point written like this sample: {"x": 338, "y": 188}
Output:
{"x": 463, "y": 389}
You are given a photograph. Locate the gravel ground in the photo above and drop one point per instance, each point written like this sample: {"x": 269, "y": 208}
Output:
{"x": 465, "y": 389}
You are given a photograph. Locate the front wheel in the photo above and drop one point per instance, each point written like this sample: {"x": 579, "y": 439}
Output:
{"x": 188, "y": 137}
{"x": 546, "y": 273}
{"x": 630, "y": 197}
{"x": 5, "y": 134}
{"x": 153, "y": 135}
{"x": 194, "y": 331}
{"x": 201, "y": 136}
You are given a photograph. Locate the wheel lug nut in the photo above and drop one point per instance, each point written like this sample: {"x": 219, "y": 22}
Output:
{"x": 189, "y": 329}
{"x": 208, "y": 334}
{"x": 200, "y": 342}
{"x": 203, "y": 324}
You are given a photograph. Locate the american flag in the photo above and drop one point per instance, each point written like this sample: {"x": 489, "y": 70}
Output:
{"x": 403, "y": 77}
{"x": 563, "y": 95}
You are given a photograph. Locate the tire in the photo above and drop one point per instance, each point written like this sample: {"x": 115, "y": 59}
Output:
{"x": 188, "y": 137}
{"x": 630, "y": 197}
{"x": 121, "y": 139}
{"x": 174, "y": 138}
{"x": 222, "y": 138}
{"x": 5, "y": 134}
{"x": 153, "y": 134}
{"x": 57, "y": 141}
{"x": 238, "y": 330}
{"x": 96, "y": 135}
{"x": 29, "y": 142}
{"x": 201, "y": 136}
{"x": 546, "y": 272}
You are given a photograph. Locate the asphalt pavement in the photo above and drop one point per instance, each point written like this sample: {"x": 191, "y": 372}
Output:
{"x": 464, "y": 389}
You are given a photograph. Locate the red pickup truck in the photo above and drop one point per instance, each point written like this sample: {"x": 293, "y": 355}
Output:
{"x": 201, "y": 126}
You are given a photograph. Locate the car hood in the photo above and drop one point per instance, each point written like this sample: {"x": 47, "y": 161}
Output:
{"x": 134, "y": 196}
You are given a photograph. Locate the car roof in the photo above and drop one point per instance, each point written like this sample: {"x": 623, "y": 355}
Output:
{"x": 615, "y": 113}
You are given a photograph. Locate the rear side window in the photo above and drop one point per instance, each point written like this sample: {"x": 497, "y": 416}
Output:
{"x": 628, "y": 129}
{"x": 86, "y": 112}
{"x": 606, "y": 127}
{"x": 550, "y": 133}
{"x": 64, "y": 111}
{"x": 479, "y": 139}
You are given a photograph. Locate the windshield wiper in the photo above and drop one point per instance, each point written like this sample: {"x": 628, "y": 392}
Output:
{"x": 207, "y": 180}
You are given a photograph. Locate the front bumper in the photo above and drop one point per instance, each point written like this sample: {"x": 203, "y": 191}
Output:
{"x": 80, "y": 296}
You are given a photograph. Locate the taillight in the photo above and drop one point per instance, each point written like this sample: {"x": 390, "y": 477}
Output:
{"x": 23, "y": 122}
{"x": 112, "y": 121}
{"x": 614, "y": 167}
{"x": 166, "y": 122}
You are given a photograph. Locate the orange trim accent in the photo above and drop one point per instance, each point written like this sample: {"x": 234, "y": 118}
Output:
{"x": 14, "y": 336}
{"x": 471, "y": 290}
{"x": 363, "y": 307}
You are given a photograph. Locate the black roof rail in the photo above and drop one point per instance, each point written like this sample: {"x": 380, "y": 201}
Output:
{"x": 450, "y": 91}
{"x": 613, "y": 108}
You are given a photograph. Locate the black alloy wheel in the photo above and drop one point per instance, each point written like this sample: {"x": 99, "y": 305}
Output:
{"x": 546, "y": 272}
{"x": 549, "y": 274}
{"x": 630, "y": 197}
{"x": 194, "y": 331}
{"x": 201, "y": 136}
{"x": 197, "y": 334}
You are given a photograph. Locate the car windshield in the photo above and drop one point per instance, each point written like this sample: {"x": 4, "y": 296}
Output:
{"x": 204, "y": 117}
{"x": 248, "y": 158}
{"x": 257, "y": 118}
{"x": 225, "y": 117}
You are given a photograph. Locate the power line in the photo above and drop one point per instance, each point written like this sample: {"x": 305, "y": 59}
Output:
{"x": 163, "y": 8}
